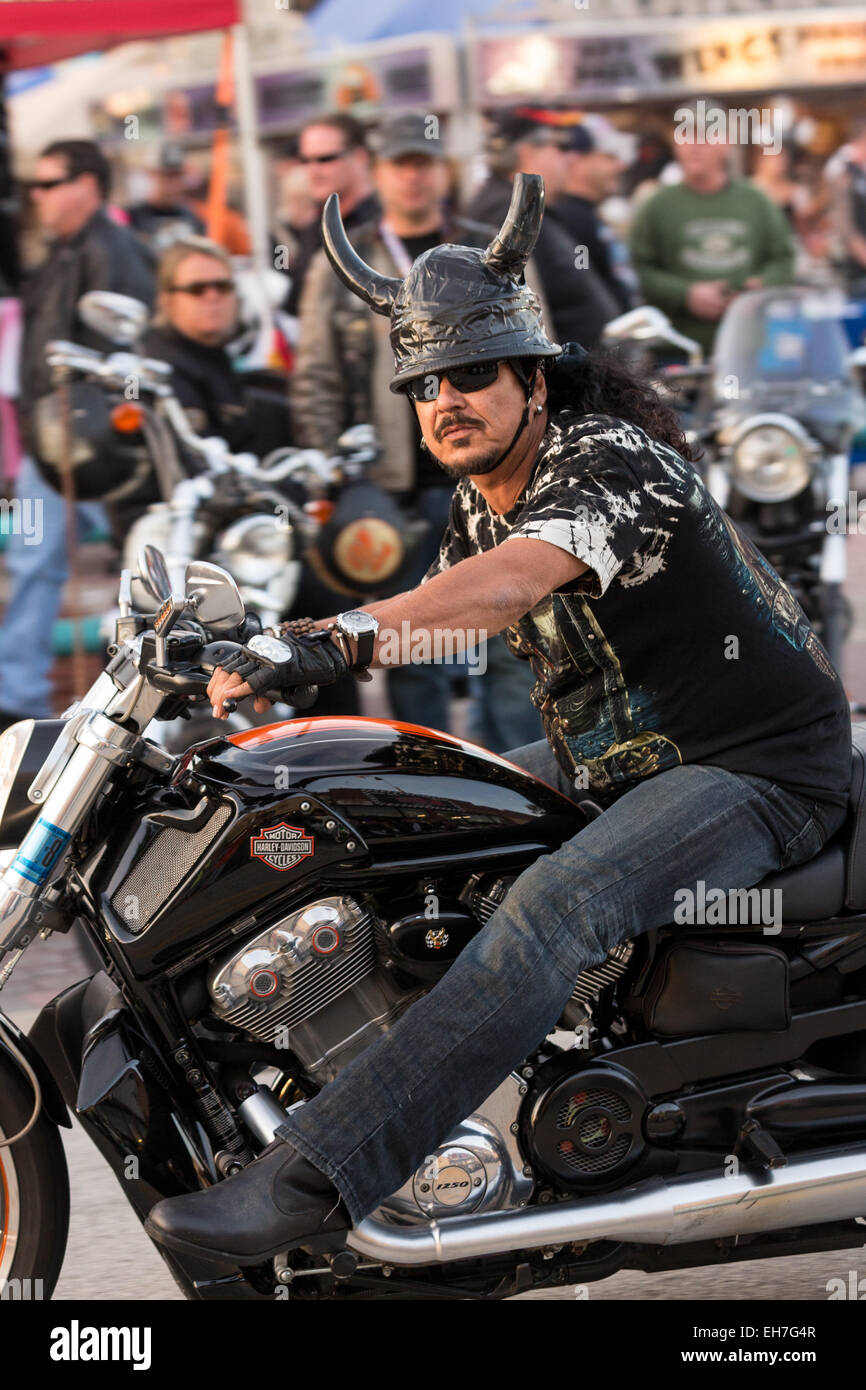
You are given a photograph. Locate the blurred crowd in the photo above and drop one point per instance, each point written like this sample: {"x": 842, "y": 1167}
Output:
{"x": 683, "y": 225}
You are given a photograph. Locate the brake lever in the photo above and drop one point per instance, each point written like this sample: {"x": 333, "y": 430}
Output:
{"x": 302, "y": 697}
{"x": 182, "y": 680}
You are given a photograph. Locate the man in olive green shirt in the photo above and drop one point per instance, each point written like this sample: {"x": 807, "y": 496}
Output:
{"x": 695, "y": 244}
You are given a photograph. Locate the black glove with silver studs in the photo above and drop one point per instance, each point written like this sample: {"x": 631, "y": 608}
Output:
{"x": 311, "y": 659}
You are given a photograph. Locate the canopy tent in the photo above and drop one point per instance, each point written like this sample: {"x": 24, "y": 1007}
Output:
{"x": 346, "y": 22}
{"x": 36, "y": 32}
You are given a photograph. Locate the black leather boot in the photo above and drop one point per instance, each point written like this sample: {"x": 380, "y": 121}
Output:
{"x": 278, "y": 1201}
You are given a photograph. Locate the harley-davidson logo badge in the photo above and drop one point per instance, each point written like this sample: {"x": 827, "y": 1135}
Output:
{"x": 281, "y": 846}
{"x": 725, "y": 998}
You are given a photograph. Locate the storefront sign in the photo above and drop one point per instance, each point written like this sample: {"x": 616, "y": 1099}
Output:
{"x": 378, "y": 77}
{"x": 815, "y": 50}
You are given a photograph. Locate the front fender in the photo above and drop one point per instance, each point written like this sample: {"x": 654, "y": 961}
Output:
{"x": 52, "y": 1101}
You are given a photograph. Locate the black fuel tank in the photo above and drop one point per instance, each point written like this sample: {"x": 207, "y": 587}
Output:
{"x": 270, "y": 816}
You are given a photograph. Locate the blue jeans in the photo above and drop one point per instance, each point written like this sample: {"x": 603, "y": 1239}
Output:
{"x": 37, "y": 573}
{"x": 371, "y": 1127}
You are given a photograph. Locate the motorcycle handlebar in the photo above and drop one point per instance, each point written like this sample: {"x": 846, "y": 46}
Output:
{"x": 115, "y": 370}
{"x": 153, "y": 378}
{"x": 192, "y": 678}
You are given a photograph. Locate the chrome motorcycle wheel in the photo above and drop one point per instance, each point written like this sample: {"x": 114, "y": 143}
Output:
{"x": 34, "y": 1196}
{"x": 10, "y": 1213}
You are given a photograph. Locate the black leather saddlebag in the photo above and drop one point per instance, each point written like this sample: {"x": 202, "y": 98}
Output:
{"x": 723, "y": 987}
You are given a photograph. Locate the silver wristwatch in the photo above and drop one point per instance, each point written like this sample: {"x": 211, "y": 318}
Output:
{"x": 362, "y": 628}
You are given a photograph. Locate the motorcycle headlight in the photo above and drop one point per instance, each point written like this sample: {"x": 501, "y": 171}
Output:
{"x": 770, "y": 460}
{"x": 254, "y": 549}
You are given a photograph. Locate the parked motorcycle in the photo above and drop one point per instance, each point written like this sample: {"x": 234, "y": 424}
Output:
{"x": 703, "y": 1100}
{"x": 263, "y": 520}
{"x": 776, "y": 412}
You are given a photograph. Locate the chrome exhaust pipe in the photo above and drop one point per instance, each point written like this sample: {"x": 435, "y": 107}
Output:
{"x": 826, "y": 1186}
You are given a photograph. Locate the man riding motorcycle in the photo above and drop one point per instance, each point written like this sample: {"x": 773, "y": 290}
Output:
{"x": 679, "y": 683}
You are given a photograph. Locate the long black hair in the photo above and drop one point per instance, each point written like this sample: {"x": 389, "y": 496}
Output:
{"x": 601, "y": 383}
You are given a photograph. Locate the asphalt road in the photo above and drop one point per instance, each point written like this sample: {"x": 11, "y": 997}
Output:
{"x": 109, "y": 1257}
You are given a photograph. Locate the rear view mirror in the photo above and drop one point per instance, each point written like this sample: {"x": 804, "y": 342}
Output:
{"x": 118, "y": 317}
{"x": 153, "y": 571}
{"x": 647, "y": 324}
{"x": 214, "y": 597}
{"x": 638, "y": 325}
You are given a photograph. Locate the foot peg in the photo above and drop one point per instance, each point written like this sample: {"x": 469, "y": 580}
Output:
{"x": 761, "y": 1145}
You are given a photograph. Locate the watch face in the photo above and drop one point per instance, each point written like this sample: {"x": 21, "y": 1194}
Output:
{"x": 270, "y": 649}
{"x": 355, "y": 623}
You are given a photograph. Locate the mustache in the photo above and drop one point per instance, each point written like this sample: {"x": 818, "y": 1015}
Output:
{"x": 456, "y": 417}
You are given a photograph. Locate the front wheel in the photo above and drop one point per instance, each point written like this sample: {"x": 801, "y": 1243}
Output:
{"x": 34, "y": 1195}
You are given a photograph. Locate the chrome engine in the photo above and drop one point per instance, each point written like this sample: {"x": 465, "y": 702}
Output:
{"x": 311, "y": 983}
{"x": 315, "y": 983}
{"x": 478, "y": 1168}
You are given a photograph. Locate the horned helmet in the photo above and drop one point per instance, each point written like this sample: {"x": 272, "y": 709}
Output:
{"x": 458, "y": 305}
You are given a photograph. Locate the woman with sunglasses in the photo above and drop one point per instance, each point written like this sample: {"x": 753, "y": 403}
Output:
{"x": 196, "y": 315}
{"x": 197, "y": 310}
{"x": 680, "y": 685}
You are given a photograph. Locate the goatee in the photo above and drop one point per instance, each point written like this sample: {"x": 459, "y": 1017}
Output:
{"x": 470, "y": 467}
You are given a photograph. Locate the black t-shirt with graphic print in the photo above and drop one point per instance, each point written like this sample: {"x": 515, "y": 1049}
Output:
{"x": 680, "y": 643}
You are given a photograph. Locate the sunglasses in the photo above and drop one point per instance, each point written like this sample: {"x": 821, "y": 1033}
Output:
{"x": 463, "y": 379}
{"x": 46, "y": 184}
{"x": 321, "y": 158}
{"x": 200, "y": 287}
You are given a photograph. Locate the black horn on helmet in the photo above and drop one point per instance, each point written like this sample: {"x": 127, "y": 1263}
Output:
{"x": 508, "y": 252}
{"x": 368, "y": 284}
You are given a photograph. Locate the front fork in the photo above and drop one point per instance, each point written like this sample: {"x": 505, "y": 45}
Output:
{"x": 98, "y": 744}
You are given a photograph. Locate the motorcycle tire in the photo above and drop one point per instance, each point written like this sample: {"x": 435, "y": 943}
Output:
{"x": 34, "y": 1195}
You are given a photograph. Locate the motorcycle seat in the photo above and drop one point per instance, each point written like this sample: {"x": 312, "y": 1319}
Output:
{"x": 835, "y": 880}
{"x": 814, "y": 890}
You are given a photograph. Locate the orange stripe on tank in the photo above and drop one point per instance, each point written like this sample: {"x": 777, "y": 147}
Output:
{"x": 266, "y": 733}
{"x": 270, "y": 733}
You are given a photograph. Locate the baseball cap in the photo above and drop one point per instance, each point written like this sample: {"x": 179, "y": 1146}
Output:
{"x": 170, "y": 160}
{"x": 580, "y": 140}
{"x": 533, "y": 123}
{"x": 594, "y": 133}
{"x": 410, "y": 133}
